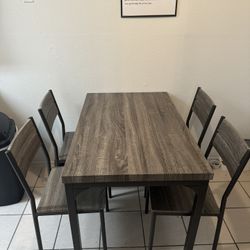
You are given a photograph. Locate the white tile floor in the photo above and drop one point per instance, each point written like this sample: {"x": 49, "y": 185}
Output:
{"x": 126, "y": 224}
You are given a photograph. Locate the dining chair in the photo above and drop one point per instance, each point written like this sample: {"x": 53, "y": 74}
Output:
{"x": 179, "y": 200}
{"x": 49, "y": 111}
{"x": 203, "y": 107}
{"x": 53, "y": 200}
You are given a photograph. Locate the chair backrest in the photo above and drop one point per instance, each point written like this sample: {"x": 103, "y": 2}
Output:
{"x": 232, "y": 149}
{"x": 204, "y": 108}
{"x": 22, "y": 150}
{"x": 49, "y": 111}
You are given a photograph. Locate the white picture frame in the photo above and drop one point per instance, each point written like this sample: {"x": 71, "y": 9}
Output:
{"x": 148, "y": 8}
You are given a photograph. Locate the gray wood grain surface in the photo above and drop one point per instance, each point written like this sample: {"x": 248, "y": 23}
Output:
{"x": 230, "y": 146}
{"x": 202, "y": 106}
{"x": 53, "y": 200}
{"x": 133, "y": 137}
{"x": 49, "y": 109}
{"x": 25, "y": 145}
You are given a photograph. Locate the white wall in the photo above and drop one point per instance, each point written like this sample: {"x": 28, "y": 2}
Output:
{"x": 80, "y": 46}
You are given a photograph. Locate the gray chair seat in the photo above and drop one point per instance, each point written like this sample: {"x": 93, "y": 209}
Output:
{"x": 53, "y": 200}
{"x": 178, "y": 200}
{"x": 65, "y": 147}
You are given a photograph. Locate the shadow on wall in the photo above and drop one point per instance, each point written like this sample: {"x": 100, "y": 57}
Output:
{"x": 181, "y": 106}
{"x": 10, "y": 111}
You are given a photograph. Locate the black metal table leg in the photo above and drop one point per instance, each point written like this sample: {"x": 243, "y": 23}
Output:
{"x": 73, "y": 217}
{"x": 110, "y": 192}
{"x": 201, "y": 191}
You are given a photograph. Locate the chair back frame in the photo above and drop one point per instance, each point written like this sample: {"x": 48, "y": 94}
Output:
{"x": 208, "y": 120}
{"x": 48, "y": 129}
{"x": 238, "y": 171}
{"x": 19, "y": 173}
{"x": 230, "y": 141}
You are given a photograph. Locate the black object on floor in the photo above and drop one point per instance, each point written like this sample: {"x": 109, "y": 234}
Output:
{"x": 11, "y": 190}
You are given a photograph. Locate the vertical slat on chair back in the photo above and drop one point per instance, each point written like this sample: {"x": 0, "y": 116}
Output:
{"x": 202, "y": 106}
{"x": 25, "y": 145}
{"x": 230, "y": 146}
{"x": 49, "y": 109}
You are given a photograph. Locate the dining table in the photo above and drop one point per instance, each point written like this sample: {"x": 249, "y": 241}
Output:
{"x": 134, "y": 139}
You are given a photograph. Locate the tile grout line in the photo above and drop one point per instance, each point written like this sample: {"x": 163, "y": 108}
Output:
{"x": 244, "y": 190}
{"x": 234, "y": 208}
{"x": 57, "y": 232}
{"x": 32, "y": 190}
{"x": 22, "y": 214}
{"x": 230, "y": 232}
{"x": 242, "y": 243}
{"x": 227, "y": 181}
{"x": 184, "y": 224}
{"x": 236, "y": 243}
{"x": 12, "y": 237}
{"x": 212, "y": 181}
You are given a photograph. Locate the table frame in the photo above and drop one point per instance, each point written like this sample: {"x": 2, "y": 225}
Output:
{"x": 129, "y": 111}
{"x": 199, "y": 187}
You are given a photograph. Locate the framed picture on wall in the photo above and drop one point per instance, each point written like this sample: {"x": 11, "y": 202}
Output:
{"x": 148, "y": 8}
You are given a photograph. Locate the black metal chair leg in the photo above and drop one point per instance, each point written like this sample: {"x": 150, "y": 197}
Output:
{"x": 217, "y": 232}
{"x": 38, "y": 233}
{"x": 152, "y": 231}
{"x": 104, "y": 239}
{"x": 107, "y": 201}
{"x": 145, "y": 192}
{"x": 147, "y": 201}
{"x": 110, "y": 192}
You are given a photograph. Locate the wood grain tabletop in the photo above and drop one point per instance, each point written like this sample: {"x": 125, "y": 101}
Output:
{"x": 133, "y": 137}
